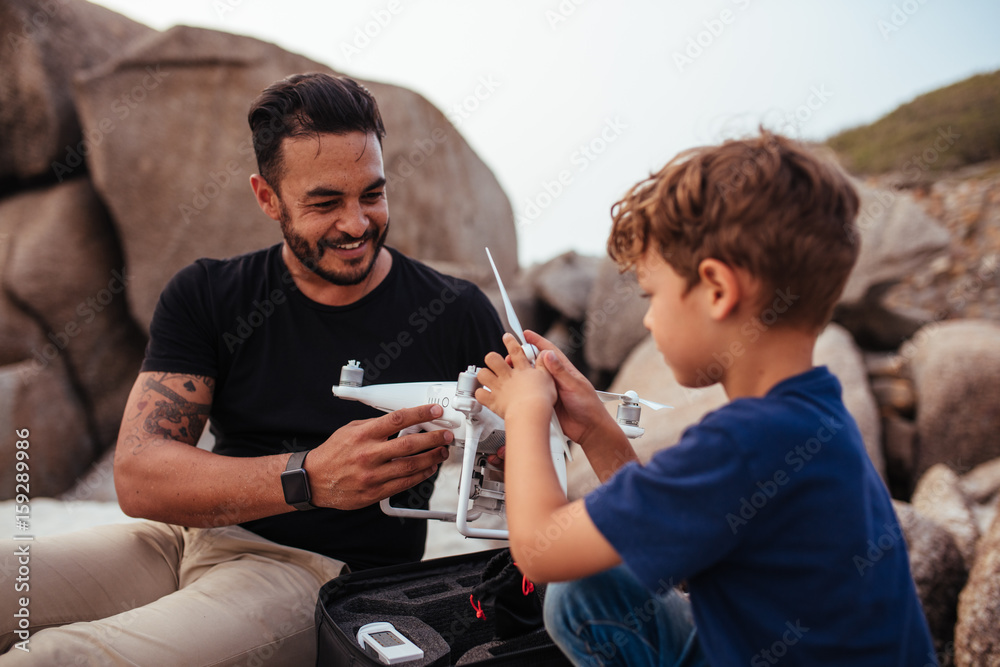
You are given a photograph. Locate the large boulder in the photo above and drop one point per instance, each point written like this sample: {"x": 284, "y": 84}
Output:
{"x": 646, "y": 373}
{"x": 564, "y": 283}
{"x": 613, "y": 326}
{"x": 977, "y": 634}
{"x": 45, "y": 43}
{"x": 836, "y": 350}
{"x": 955, "y": 366}
{"x": 176, "y": 155}
{"x": 897, "y": 236}
{"x": 938, "y": 571}
{"x": 64, "y": 268}
{"x": 42, "y": 402}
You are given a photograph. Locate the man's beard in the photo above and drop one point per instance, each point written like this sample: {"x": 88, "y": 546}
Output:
{"x": 355, "y": 271}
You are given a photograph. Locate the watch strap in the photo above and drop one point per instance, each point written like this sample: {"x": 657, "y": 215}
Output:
{"x": 296, "y": 463}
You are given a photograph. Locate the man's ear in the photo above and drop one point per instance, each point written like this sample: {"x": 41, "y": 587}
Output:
{"x": 267, "y": 198}
{"x": 722, "y": 288}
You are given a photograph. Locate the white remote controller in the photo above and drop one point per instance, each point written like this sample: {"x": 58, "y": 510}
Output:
{"x": 386, "y": 643}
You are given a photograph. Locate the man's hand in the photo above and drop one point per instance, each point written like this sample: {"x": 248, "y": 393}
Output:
{"x": 358, "y": 465}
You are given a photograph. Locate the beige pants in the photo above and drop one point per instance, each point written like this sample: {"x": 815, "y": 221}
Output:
{"x": 149, "y": 593}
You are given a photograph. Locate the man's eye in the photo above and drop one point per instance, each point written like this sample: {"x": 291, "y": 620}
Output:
{"x": 325, "y": 204}
{"x": 374, "y": 196}
{"x": 644, "y": 295}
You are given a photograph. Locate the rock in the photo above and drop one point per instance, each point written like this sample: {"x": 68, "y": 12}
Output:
{"x": 937, "y": 568}
{"x": 613, "y": 325}
{"x": 45, "y": 43}
{"x": 899, "y": 438}
{"x": 20, "y": 336}
{"x": 64, "y": 267}
{"x": 894, "y": 395}
{"x": 982, "y": 487}
{"x": 565, "y": 282}
{"x": 646, "y": 373}
{"x": 873, "y": 325}
{"x": 897, "y": 236}
{"x": 43, "y": 402}
{"x": 977, "y": 634}
{"x": 966, "y": 282}
{"x": 174, "y": 170}
{"x": 529, "y": 311}
{"x": 569, "y": 340}
{"x": 836, "y": 350}
{"x": 955, "y": 366}
{"x": 939, "y": 498}
{"x": 982, "y": 483}
{"x": 96, "y": 484}
{"x": 885, "y": 364}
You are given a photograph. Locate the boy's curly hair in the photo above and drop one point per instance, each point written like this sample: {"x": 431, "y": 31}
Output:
{"x": 768, "y": 205}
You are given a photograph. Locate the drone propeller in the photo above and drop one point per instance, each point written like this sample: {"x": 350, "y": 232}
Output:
{"x": 632, "y": 397}
{"x": 530, "y": 350}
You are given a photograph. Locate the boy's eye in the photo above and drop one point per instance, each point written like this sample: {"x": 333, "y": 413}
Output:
{"x": 644, "y": 295}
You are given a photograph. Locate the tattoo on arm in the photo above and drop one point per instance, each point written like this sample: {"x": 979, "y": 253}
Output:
{"x": 173, "y": 416}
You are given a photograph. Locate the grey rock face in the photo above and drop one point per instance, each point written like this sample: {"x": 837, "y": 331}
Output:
{"x": 955, "y": 366}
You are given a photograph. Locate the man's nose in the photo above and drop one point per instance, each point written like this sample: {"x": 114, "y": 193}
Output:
{"x": 354, "y": 222}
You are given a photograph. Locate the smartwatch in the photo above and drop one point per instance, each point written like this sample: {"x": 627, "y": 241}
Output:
{"x": 295, "y": 482}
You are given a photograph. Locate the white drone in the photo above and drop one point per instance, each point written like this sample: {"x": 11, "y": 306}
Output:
{"x": 476, "y": 429}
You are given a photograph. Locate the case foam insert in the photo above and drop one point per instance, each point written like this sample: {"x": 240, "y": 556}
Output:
{"x": 433, "y": 611}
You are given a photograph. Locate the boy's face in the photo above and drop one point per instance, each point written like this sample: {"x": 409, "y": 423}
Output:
{"x": 676, "y": 320}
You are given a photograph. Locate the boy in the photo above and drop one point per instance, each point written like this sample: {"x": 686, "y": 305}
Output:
{"x": 769, "y": 507}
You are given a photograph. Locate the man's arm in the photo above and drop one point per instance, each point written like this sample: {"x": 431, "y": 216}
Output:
{"x": 161, "y": 475}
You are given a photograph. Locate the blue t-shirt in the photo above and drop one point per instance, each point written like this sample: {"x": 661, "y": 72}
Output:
{"x": 772, "y": 511}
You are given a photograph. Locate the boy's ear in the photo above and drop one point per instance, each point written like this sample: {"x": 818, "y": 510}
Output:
{"x": 722, "y": 287}
{"x": 266, "y": 197}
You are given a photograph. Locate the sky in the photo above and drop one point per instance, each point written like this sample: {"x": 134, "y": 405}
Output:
{"x": 570, "y": 102}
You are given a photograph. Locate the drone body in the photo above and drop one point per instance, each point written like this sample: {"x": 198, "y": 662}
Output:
{"x": 477, "y": 431}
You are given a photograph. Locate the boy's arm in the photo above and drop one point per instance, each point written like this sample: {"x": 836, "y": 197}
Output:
{"x": 551, "y": 538}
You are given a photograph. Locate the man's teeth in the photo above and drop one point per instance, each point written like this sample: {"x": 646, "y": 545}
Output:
{"x": 350, "y": 246}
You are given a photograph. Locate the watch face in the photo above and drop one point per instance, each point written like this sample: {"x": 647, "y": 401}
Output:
{"x": 295, "y": 484}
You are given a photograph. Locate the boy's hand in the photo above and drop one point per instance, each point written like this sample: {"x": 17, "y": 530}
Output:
{"x": 579, "y": 408}
{"x": 514, "y": 381}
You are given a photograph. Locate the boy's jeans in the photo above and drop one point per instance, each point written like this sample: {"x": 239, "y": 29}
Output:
{"x": 612, "y": 619}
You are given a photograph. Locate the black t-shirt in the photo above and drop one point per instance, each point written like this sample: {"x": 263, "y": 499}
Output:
{"x": 275, "y": 355}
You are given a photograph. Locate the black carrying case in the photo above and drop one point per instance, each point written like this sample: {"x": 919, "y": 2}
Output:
{"x": 429, "y": 603}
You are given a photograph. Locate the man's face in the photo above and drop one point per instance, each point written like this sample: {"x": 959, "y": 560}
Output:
{"x": 332, "y": 204}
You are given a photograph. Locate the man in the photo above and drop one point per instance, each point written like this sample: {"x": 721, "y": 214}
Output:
{"x": 241, "y": 538}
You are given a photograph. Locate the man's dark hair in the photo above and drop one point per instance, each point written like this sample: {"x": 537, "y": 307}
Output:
{"x": 308, "y": 104}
